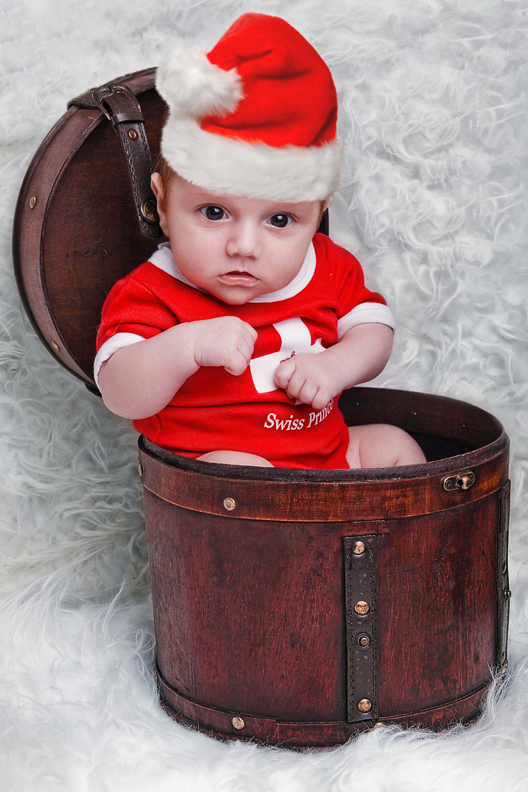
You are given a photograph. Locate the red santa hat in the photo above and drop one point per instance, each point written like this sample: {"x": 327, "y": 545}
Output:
{"x": 256, "y": 116}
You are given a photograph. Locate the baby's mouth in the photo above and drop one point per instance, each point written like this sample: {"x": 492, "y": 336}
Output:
{"x": 235, "y": 278}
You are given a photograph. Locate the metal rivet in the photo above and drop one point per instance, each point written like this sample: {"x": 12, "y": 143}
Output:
{"x": 507, "y": 593}
{"x": 55, "y": 346}
{"x": 132, "y": 134}
{"x": 362, "y": 607}
{"x": 379, "y": 725}
{"x": 150, "y": 211}
{"x": 238, "y": 722}
{"x": 359, "y": 548}
{"x": 364, "y": 705}
{"x": 140, "y": 470}
{"x": 229, "y": 504}
{"x": 32, "y": 201}
{"x": 363, "y": 640}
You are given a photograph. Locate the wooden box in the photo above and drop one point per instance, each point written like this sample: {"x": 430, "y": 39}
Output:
{"x": 300, "y": 607}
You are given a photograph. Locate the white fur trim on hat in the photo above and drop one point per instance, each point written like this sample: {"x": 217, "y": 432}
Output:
{"x": 224, "y": 165}
{"x": 193, "y": 87}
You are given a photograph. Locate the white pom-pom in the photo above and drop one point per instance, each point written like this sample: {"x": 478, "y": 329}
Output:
{"x": 193, "y": 87}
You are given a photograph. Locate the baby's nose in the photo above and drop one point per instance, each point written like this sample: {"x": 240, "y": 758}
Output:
{"x": 244, "y": 240}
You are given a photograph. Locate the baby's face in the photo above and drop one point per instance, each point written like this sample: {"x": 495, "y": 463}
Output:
{"x": 235, "y": 247}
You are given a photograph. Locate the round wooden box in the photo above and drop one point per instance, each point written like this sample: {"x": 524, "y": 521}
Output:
{"x": 300, "y": 607}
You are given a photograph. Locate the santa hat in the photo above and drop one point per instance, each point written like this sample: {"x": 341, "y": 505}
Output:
{"x": 256, "y": 116}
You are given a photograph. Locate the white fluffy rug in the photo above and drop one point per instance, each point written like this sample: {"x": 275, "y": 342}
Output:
{"x": 433, "y": 203}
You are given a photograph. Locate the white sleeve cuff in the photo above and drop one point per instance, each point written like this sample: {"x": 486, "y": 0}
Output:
{"x": 365, "y": 313}
{"x": 116, "y": 342}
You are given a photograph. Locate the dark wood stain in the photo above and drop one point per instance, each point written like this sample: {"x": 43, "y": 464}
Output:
{"x": 250, "y": 608}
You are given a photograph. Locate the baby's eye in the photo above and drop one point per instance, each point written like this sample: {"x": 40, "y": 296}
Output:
{"x": 213, "y": 212}
{"x": 280, "y": 220}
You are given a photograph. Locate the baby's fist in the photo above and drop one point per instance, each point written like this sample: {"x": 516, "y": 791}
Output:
{"x": 310, "y": 378}
{"x": 225, "y": 341}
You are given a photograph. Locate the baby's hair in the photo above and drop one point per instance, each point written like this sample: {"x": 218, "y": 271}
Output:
{"x": 164, "y": 169}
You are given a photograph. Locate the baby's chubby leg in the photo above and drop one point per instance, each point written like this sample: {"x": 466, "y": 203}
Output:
{"x": 382, "y": 445}
{"x": 234, "y": 458}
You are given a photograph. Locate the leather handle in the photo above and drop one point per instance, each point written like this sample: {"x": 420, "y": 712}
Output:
{"x": 121, "y": 107}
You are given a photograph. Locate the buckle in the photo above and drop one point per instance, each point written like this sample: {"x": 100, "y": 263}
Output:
{"x": 118, "y": 103}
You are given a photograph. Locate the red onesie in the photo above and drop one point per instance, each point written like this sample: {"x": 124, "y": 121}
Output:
{"x": 214, "y": 410}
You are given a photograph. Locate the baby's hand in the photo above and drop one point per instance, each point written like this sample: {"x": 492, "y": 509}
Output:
{"x": 225, "y": 341}
{"x": 311, "y": 378}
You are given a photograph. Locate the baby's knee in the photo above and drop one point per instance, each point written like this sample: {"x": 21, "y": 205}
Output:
{"x": 405, "y": 449}
{"x": 234, "y": 458}
{"x": 382, "y": 445}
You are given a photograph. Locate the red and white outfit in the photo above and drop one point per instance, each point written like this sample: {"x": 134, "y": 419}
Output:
{"x": 215, "y": 410}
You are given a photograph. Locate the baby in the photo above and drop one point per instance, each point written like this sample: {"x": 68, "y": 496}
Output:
{"x": 234, "y": 341}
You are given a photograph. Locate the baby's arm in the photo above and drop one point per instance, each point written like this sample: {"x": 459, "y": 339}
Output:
{"x": 360, "y": 356}
{"x": 140, "y": 379}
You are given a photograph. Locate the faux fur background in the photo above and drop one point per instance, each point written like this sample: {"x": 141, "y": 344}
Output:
{"x": 433, "y": 111}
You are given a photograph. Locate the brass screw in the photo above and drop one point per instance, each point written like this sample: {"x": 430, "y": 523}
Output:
{"x": 140, "y": 470}
{"x": 359, "y": 548}
{"x": 364, "y": 705}
{"x": 55, "y": 346}
{"x": 132, "y": 134}
{"x": 379, "y": 725}
{"x": 362, "y": 607}
{"x": 229, "y": 504}
{"x": 238, "y": 722}
{"x": 32, "y": 201}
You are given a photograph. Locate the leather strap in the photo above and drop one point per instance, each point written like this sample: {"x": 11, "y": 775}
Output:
{"x": 361, "y": 633}
{"x": 121, "y": 107}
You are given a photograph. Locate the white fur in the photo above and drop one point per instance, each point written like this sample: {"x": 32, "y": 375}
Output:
{"x": 193, "y": 87}
{"x": 232, "y": 166}
{"x": 434, "y": 205}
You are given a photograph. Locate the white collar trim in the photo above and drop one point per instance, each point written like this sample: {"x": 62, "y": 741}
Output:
{"x": 163, "y": 259}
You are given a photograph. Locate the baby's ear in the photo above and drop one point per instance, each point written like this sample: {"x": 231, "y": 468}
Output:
{"x": 156, "y": 184}
{"x": 159, "y": 193}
